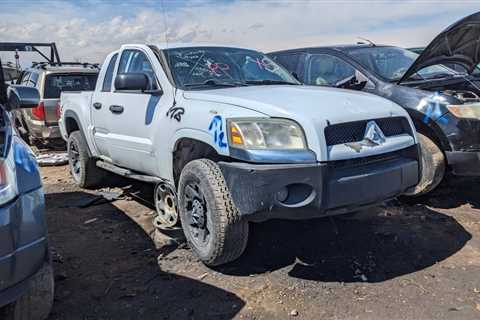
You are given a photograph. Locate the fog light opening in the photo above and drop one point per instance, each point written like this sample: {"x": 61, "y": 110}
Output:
{"x": 296, "y": 195}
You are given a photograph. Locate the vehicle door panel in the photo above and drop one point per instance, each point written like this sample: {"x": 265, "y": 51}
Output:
{"x": 100, "y": 114}
{"x": 131, "y": 130}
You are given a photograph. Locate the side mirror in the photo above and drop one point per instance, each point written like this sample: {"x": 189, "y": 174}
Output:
{"x": 20, "y": 97}
{"x": 131, "y": 82}
{"x": 352, "y": 83}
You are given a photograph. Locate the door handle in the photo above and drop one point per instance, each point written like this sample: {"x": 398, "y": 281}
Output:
{"x": 97, "y": 105}
{"x": 116, "y": 109}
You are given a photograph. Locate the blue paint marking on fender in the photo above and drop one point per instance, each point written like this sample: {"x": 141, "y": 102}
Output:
{"x": 434, "y": 111}
{"x": 24, "y": 158}
{"x": 217, "y": 130}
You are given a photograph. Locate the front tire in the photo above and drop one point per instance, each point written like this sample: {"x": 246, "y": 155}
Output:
{"x": 84, "y": 171}
{"x": 433, "y": 166}
{"x": 37, "y": 301}
{"x": 212, "y": 224}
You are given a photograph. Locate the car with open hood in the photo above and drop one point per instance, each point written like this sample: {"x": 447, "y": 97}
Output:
{"x": 26, "y": 274}
{"x": 229, "y": 137}
{"x": 444, "y": 102}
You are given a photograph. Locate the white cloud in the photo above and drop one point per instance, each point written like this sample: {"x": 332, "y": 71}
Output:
{"x": 90, "y": 31}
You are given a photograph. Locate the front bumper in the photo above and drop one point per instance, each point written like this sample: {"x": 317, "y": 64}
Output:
{"x": 320, "y": 189}
{"x": 463, "y": 136}
{"x": 464, "y": 163}
{"x": 23, "y": 244}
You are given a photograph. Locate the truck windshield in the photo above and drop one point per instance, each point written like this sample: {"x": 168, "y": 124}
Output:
{"x": 220, "y": 67}
{"x": 56, "y": 83}
{"x": 391, "y": 63}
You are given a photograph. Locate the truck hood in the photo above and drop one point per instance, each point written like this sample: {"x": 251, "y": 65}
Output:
{"x": 318, "y": 104}
{"x": 458, "y": 44}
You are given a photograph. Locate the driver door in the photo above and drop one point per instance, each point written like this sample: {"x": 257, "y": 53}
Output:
{"x": 132, "y": 115}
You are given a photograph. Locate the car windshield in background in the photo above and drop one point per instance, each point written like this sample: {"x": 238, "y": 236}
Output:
{"x": 56, "y": 83}
{"x": 219, "y": 67}
{"x": 391, "y": 63}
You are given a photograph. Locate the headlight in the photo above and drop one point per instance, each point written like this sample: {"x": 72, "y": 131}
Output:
{"x": 8, "y": 179}
{"x": 265, "y": 134}
{"x": 465, "y": 110}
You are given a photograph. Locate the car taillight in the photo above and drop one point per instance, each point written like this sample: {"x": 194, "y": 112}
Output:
{"x": 58, "y": 110}
{"x": 39, "y": 111}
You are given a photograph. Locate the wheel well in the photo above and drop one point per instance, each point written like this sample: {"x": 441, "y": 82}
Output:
{"x": 187, "y": 150}
{"x": 71, "y": 125}
{"x": 432, "y": 132}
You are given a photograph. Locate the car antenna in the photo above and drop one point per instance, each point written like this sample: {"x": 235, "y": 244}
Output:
{"x": 369, "y": 41}
{"x": 165, "y": 22}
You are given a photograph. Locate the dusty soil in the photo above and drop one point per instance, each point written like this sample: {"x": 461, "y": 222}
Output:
{"x": 405, "y": 260}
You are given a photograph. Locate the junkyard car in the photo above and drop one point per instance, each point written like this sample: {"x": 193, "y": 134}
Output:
{"x": 10, "y": 73}
{"x": 26, "y": 276}
{"x": 230, "y": 137}
{"x": 443, "y": 103}
{"x": 40, "y": 124}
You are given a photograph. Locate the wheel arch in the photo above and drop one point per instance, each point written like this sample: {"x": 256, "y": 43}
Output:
{"x": 187, "y": 148}
{"x": 72, "y": 123}
{"x": 429, "y": 128}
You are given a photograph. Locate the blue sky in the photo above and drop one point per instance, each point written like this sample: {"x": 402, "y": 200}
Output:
{"x": 87, "y": 30}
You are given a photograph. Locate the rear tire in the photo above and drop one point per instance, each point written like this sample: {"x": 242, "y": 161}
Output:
{"x": 433, "y": 166}
{"x": 37, "y": 301}
{"x": 83, "y": 168}
{"x": 212, "y": 224}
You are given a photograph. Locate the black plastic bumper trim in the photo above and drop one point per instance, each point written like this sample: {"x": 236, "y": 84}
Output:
{"x": 464, "y": 163}
{"x": 257, "y": 187}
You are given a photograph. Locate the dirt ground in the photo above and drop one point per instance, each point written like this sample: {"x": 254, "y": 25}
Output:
{"x": 405, "y": 260}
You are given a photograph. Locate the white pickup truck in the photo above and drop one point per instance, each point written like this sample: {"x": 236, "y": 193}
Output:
{"x": 229, "y": 137}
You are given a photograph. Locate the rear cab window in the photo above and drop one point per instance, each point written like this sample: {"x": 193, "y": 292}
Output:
{"x": 55, "y": 84}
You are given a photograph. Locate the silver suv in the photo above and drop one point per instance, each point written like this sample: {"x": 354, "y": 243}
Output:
{"x": 40, "y": 124}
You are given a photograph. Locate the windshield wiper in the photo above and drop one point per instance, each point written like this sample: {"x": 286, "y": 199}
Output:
{"x": 270, "y": 82}
{"x": 441, "y": 76}
{"x": 213, "y": 83}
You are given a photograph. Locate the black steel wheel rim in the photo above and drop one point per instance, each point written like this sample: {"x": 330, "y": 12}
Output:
{"x": 197, "y": 215}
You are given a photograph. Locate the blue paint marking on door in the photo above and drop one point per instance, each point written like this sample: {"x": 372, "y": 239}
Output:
{"x": 152, "y": 105}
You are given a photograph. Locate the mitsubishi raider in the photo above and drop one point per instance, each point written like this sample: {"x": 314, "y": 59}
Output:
{"x": 230, "y": 137}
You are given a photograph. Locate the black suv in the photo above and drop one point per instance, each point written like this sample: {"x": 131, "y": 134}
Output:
{"x": 26, "y": 275}
{"x": 444, "y": 102}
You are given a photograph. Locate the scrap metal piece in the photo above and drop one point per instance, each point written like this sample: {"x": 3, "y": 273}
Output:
{"x": 52, "y": 159}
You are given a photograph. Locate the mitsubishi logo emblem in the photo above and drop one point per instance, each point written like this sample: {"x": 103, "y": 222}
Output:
{"x": 373, "y": 136}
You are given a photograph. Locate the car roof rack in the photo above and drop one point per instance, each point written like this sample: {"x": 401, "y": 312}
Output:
{"x": 44, "y": 65}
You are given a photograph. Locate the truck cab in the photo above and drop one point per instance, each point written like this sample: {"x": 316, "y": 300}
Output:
{"x": 229, "y": 137}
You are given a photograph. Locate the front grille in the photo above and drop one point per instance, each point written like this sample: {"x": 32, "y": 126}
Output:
{"x": 410, "y": 153}
{"x": 354, "y": 131}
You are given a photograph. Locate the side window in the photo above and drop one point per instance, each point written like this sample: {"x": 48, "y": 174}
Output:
{"x": 32, "y": 82}
{"x": 134, "y": 61}
{"x": 25, "y": 78}
{"x": 327, "y": 70}
{"x": 107, "y": 81}
{"x": 289, "y": 61}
